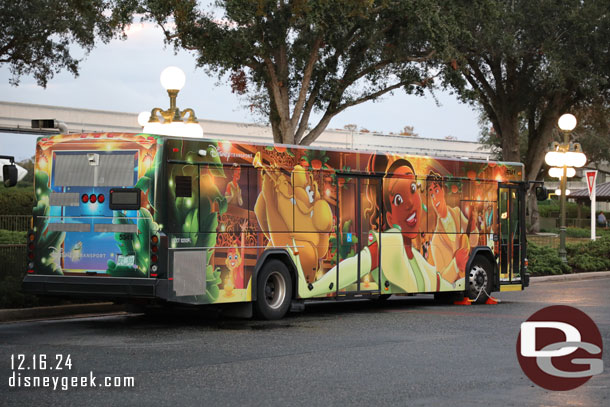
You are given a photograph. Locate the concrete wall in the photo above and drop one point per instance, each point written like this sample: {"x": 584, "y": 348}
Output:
{"x": 16, "y": 117}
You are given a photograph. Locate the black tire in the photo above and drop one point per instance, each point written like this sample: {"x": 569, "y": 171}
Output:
{"x": 383, "y": 297}
{"x": 479, "y": 277}
{"x": 273, "y": 290}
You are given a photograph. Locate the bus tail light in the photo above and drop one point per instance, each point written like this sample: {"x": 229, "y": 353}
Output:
{"x": 525, "y": 263}
{"x": 85, "y": 198}
{"x": 154, "y": 258}
{"x": 92, "y": 198}
{"x": 101, "y": 198}
{"x": 30, "y": 252}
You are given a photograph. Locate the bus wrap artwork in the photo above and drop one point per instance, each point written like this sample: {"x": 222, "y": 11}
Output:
{"x": 351, "y": 222}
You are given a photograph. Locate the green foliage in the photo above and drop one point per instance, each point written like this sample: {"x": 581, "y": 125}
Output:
{"x": 16, "y": 200}
{"x": 345, "y": 248}
{"x": 550, "y": 209}
{"x": 298, "y": 57}
{"x": 138, "y": 246}
{"x": 590, "y": 256}
{"x": 13, "y": 269}
{"x": 593, "y": 130}
{"x": 197, "y": 217}
{"x": 525, "y": 62}
{"x": 11, "y": 237}
{"x": 28, "y": 165}
{"x": 544, "y": 260}
{"x": 48, "y": 244}
{"x": 211, "y": 284}
{"x": 38, "y": 37}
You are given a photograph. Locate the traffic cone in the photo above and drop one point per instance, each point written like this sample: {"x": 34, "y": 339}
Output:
{"x": 464, "y": 301}
{"x": 491, "y": 301}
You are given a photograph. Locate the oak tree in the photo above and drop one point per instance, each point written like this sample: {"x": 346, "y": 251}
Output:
{"x": 39, "y": 37}
{"x": 526, "y": 62}
{"x": 299, "y": 59}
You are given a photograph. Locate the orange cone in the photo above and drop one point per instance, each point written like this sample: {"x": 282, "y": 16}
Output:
{"x": 491, "y": 301}
{"x": 464, "y": 301}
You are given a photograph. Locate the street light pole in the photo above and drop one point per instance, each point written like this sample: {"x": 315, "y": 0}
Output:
{"x": 562, "y": 206}
{"x": 562, "y": 158}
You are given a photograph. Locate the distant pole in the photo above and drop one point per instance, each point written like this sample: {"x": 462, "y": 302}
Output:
{"x": 593, "y": 214}
{"x": 590, "y": 176}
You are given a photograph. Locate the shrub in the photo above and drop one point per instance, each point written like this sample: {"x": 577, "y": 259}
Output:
{"x": 16, "y": 201}
{"x": 551, "y": 209}
{"x": 544, "y": 260}
{"x": 590, "y": 256}
{"x": 11, "y": 237}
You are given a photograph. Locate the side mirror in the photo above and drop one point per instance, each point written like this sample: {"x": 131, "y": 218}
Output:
{"x": 9, "y": 174}
{"x": 541, "y": 193}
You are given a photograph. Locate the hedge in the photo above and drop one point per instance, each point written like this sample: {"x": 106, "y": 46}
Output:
{"x": 590, "y": 256}
{"x": 544, "y": 261}
{"x": 16, "y": 200}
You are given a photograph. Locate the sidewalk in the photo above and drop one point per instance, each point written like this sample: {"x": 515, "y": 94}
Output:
{"x": 109, "y": 308}
{"x": 570, "y": 277}
{"x": 60, "y": 311}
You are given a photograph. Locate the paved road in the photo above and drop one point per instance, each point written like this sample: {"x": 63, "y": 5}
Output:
{"x": 405, "y": 351}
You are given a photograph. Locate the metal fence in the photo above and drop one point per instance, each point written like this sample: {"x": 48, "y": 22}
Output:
{"x": 20, "y": 223}
{"x": 12, "y": 260}
{"x": 552, "y": 240}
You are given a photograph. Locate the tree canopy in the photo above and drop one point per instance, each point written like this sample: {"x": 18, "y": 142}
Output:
{"x": 37, "y": 37}
{"x": 526, "y": 62}
{"x": 293, "y": 58}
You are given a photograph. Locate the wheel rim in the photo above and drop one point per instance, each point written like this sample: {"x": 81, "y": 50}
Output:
{"x": 477, "y": 279}
{"x": 275, "y": 290}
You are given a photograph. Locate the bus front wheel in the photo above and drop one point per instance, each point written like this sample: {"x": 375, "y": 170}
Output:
{"x": 478, "y": 280}
{"x": 273, "y": 290}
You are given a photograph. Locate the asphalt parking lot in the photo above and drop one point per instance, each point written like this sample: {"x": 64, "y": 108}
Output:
{"x": 407, "y": 350}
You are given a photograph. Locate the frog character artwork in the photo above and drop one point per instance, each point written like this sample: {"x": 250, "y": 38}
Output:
{"x": 292, "y": 213}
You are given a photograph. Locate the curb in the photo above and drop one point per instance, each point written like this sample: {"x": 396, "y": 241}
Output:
{"x": 571, "y": 277}
{"x": 22, "y": 314}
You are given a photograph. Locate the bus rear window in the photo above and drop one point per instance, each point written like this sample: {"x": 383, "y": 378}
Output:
{"x": 94, "y": 169}
{"x": 126, "y": 199}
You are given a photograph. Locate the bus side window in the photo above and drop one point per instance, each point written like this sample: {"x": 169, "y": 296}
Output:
{"x": 183, "y": 196}
{"x": 183, "y": 186}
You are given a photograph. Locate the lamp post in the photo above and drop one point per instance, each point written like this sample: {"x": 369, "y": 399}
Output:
{"x": 563, "y": 158}
{"x": 173, "y": 121}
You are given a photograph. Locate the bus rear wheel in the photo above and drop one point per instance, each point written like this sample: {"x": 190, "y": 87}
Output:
{"x": 478, "y": 280}
{"x": 273, "y": 290}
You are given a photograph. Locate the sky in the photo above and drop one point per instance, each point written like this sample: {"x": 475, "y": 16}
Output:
{"x": 124, "y": 76}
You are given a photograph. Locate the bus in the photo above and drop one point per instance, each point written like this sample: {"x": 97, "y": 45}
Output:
{"x": 150, "y": 219}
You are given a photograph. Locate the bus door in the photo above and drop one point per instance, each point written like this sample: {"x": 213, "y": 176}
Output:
{"x": 357, "y": 196}
{"x": 511, "y": 208}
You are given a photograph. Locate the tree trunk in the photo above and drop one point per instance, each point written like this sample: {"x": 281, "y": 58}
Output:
{"x": 534, "y": 215}
{"x": 540, "y": 136}
{"x": 509, "y": 132}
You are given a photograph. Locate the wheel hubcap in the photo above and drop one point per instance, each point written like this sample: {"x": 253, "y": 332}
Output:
{"x": 477, "y": 278}
{"x": 275, "y": 290}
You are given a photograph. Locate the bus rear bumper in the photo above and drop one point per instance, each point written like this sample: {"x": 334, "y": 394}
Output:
{"x": 95, "y": 287}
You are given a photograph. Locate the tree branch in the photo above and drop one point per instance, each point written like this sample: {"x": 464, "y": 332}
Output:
{"x": 330, "y": 113}
{"x": 305, "y": 82}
